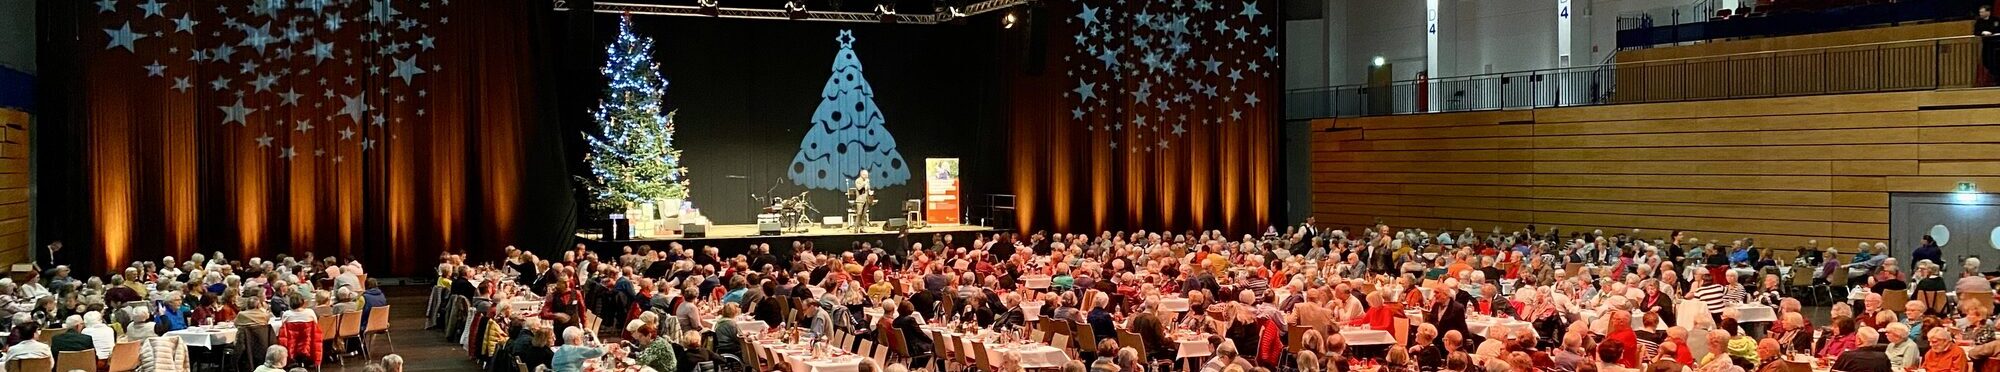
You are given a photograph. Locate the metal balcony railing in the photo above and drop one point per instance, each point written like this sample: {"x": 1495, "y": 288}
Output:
{"x": 1951, "y": 62}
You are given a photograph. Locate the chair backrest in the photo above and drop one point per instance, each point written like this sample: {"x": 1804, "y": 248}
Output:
{"x": 85, "y": 360}
{"x": 940, "y": 346}
{"x": 1086, "y": 338}
{"x": 378, "y": 319}
{"x": 328, "y": 323}
{"x": 1401, "y": 331}
{"x": 124, "y": 356}
{"x": 1894, "y": 300}
{"x": 47, "y": 334}
{"x": 867, "y": 347}
{"x": 523, "y": 367}
{"x": 1038, "y": 336}
{"x": 1295, "y": 338}
{"x": 1933, "y": 301}
{"x": 350, "y": 324}
{"x": 1838, "y": 277}
{"x": 1131, "y": 340}
{"x": 986, "y": 361}
{"x": 881, "y": 355}
{"x": 753, "y": 357}
{"x": 1060, "y": 342}
{"x": 1801, "y": 276}
{"x": 31, "y": 365}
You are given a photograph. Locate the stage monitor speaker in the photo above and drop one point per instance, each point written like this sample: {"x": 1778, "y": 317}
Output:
{"x": 896, "y": 224}
{"x": 694, "y": 231}
{"x": 767, "y": 228}
{"x": 832, "y": 222}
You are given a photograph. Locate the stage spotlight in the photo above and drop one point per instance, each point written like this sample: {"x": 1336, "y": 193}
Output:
{"x": 886, "y": 9}
{"x": 948, "y": 12}
{"x": 796, "y": 9}
{"x": 711, "y": 8}
{"x": 1008, "y": 20}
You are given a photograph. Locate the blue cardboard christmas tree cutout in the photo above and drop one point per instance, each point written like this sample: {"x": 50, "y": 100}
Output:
{"x": 847, "y": 134}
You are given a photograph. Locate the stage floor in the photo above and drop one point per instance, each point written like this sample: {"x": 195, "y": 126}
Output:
{"x": 731, "y": 238}
{"x": 749, "y": 231}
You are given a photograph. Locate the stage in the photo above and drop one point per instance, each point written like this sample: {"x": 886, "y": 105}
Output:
{"x": 735, "y": 239}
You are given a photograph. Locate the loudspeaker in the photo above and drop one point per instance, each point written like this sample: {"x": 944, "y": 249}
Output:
{"x": 767, "y": 228}
{"x": 694, "y": 231}
{"x": 896, "y": 224}
{"x": 832, "y": 222}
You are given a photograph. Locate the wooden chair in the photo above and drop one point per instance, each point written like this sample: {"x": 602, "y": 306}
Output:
{"x": 1295, "y": 339}
{"x": 1086, "y": 338}
{"x": 329, "y": 323}
{"x": 1038, "y": 336}
{"x": 1061, "y": 341}
{"x": 1934, "y": 301}
{"x": 1131, "y": 340}
{"x": 1401, "y": 331}
{"x": 942, "y": 350}
{"x": 378, "y": 324}
{"x": 867, "y": 348}
{"x": 881, "y": 353}
{"x": 1894, "y": 300}
{"x": 350, "y": 327}
{"x": 85, "y": 360}
{"x": 753, "y": 357}
{"x": 124, "y": 356}
{"x": 985, "y": 361}
{"x": 32, "y": 365}
{"x": 47, "y": 334}
{"x": 1802, "y": 279}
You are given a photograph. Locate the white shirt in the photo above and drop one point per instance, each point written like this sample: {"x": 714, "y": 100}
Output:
{"x": 103, "y": 338}
{"x": 300, "y": 315}
{"x": 29, "y": 349}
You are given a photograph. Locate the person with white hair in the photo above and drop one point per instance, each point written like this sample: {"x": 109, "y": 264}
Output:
{"x": 1867, "y": 355}
{"x": 1901, "y": 350}
{"x": 1970, "y": 280}
{"x": 577, "y": 347}
{"x": 274, "y": 359}
{"x": 102, "y": 337}
{"x": 392, "y": 363}
{"x": 72, "y": 337}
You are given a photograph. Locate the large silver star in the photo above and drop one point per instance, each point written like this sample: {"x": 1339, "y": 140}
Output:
{"x": 152, "y": 8}
{"x": 236, "y": 113}
{"x": 219, "y": 83}
{"x": 107, "y": 6}
{"x": 406, "y": 69}
{"x": 185, "y": 24}
{"x": 303, "y": 125}
{"x": 258, "y": 37}
{"x": 182, "y": 84}
{"x": 122, "y": 37}
{"x": 156, "y": 69}
{"x": 264, "y": 140}
{"x": 347, "y": 133}
{"x": 354, "y": 107}
{"x": 290, "y": 97}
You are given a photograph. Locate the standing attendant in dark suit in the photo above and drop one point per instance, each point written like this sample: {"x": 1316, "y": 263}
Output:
{"x": 1987, "y": 29}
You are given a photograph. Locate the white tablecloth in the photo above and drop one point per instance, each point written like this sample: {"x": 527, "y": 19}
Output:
{"x": 1747, "y": 313}
{"x": 201, "y": 337}
{"x": 1174, "y": 304}
{"x": 1030, "y": 356}
{"x": 1479, "y": 326}
{"x": 1035, "y": 281}
{"x": 1361, "y": 337}
{"x": 1032, "y": 311}
{"x": 797, "y": 357}
{"x": 1195, "y": 348}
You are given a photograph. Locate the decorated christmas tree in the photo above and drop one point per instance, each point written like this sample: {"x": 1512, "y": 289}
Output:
{"x": 633, "y": 161}
{"x": 847, "y": 134}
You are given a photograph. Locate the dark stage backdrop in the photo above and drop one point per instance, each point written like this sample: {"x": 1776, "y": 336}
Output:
{"x": 385, "y": 131}
{"x": 1150, "y": 114}
{"x": 747, "y": 92}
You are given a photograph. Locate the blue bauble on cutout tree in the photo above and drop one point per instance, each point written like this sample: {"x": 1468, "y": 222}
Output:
{"x": 847, "y": 134}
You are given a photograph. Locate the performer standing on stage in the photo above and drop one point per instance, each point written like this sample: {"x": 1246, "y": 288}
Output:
{"x": 864, "y": 196}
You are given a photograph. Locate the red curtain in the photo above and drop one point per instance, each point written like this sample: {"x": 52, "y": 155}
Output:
{"x": 385, "y": 131}
{"x": 1150, "y": 114}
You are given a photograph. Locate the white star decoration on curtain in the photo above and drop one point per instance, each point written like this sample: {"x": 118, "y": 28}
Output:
{"x": 1172, "y": 58}
{"x": 254, "y": 43}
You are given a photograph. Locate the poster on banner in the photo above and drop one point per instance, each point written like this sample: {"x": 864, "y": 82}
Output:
{"x": 941, "y": 190}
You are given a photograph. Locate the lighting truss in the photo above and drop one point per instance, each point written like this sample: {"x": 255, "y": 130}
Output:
{"x": 782, "y": 14}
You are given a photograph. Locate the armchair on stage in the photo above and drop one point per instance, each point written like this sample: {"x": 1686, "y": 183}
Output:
{"x": 653, "y": 220}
